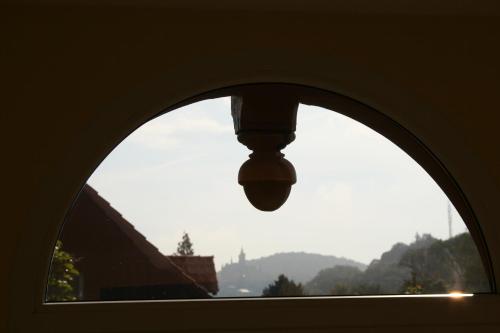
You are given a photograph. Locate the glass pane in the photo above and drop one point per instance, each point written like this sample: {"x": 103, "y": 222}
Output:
{"x": 163, "y": 217}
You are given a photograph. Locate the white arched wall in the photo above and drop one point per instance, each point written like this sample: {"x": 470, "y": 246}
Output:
{"x": 81, "y": 77}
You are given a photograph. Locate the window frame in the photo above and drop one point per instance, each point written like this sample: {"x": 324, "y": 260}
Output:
{"x": 305, "y": 313}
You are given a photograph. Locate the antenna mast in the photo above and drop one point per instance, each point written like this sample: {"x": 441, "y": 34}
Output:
{"x": 450, "y": 221}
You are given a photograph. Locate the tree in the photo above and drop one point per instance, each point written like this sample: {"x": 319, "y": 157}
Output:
{"x": 62, "y": 276}
{"x": 338, "y": 280}
{"x": 412, "y": 286}
{"x": 185, "y": 247}
{"x": 283, "y": 287}
{"x": 466, "y": 255}
{"x": 432, "y": 269}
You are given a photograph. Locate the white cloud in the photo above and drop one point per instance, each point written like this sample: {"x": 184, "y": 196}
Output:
{"x": 170, "y": 130}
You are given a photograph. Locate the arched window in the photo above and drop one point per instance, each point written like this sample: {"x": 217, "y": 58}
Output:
{"x": 163, "y": 216}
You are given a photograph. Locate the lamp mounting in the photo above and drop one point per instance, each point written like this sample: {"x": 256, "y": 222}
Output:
{"x": 264, "y": 121}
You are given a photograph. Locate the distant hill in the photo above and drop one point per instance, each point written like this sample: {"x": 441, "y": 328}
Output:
{"x": 387, "y": 274}
{"x": 250, "y": 277}
{"x": 428, "y": 265}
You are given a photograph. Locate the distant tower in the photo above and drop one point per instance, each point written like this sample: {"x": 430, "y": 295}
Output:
{"x": 450, "y": 221}
{"x": 242, "y": 257}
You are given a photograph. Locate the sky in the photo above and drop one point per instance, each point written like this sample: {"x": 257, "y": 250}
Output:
{"x": 356, "y": 194}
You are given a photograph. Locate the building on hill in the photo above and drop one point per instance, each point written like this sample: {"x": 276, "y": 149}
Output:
{"x": 116, "y": 262}
{"x": 242, "y": 257}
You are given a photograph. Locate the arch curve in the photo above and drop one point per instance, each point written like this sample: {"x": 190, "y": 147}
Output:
{"x": 377, "y": 121}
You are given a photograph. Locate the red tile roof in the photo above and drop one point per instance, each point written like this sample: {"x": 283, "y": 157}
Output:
{"x": 115, "y": 255}
{"x": 201, "y": 269}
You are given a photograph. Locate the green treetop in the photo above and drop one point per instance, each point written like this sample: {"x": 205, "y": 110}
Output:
{"x": 60, "y": 286}
{"x": 185, "y": 247}
{"x": 283, "y": 287}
